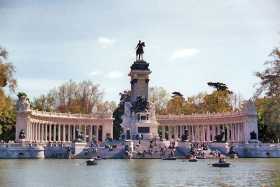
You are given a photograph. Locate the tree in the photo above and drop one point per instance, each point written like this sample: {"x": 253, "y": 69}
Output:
{"x": 219, "y": 100}
{"x": 7, "y": 110}
{"x": 73, "y": 97}
{"x": 219, "y": 86}
{"x": 159, "y": 97}
{"x": 6, "y": 71}
{"x": 176, "y": 103}
{"x": 268, "y": 108}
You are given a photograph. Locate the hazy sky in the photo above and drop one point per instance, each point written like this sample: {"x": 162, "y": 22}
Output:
{"x": 188, "y": 42}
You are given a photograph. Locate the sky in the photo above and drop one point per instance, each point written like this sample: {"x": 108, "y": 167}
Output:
{"x": 188, "y": 42}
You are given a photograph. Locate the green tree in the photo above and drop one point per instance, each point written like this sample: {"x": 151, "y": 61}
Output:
{"x": 73, "y": 97}
{"x": 7, "y": 110}
{"x": 160, "y": 97}
{"x": 269, "y": 107}
{"x": 176, "y": 103}
{"x": 219, "y": 100}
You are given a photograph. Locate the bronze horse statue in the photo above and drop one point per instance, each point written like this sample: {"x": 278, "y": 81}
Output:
{"x": 140, "y": 50}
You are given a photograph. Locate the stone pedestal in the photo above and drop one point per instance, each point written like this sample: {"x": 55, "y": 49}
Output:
{"x": 139, "y": 118}
{"x": 78, "y": 148}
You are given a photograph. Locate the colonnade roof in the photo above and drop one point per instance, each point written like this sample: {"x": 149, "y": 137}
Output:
{"x": 69, "y": 115}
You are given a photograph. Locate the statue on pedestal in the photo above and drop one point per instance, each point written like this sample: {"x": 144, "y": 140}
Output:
{"x": 23, "y": 103}
{"x": 219, "y": 138}
{"x": 253, "y": 135}
{"x": 79, "y": 136}
{"x": 21, "y": 135}
{"x": 140, "y": 50}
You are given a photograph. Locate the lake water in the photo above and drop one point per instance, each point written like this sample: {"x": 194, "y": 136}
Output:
{"x": 140, "y": 173}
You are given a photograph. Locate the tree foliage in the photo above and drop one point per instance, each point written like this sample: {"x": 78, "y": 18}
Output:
{"x": 7, "y": 111}
{"x": 220, "y": 100}
{"x": 6, "y": 71}
{"x": 268, "y": 107}
{"x": 73, "y": 97}
{"x": 159, "y": 97}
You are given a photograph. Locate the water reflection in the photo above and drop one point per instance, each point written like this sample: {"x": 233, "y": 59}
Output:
{"x": 138, "y": 173}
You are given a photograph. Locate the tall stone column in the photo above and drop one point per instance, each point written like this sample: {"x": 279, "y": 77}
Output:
{"x": 85, "y": 129}
{"x": 40, "y": 132}
{"x": 69, "y": 133}
{"x": 203, "y": 133}
{"x": 59, "y": 132}
{"x": 176, "y": 132}
{"x": 30, "y": 132}
{"x": 63, "y": 134}
{"x": 54, "y": 132}
{"x": 169, "y": 132}
{"x": 237, "y": 132}
{"x": 36, "y": 131}
{"x": 232, "y": 132}
{"x": 30, "y": 126}
{"x": 96, "y": 132}
{"x": 91, "y": 131}
{"x": 73, "y": 132}
{"x": 192, "y": 135}
{"x": 163, "y": 132}
{"x": 51, "y": 132}
{"x": 208, "y": 133}
{"x": 45, "y": 132}
{"x": 234, "y": 129}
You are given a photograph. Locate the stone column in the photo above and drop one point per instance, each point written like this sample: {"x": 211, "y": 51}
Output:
{"x": 73, "y": 132}
{"x": 59, "y": 132}
{"x": 69, "y": 133}
{"x": 234, "y": 130}
{"x": 237, "y": 132}
{"x": 31, "y": 134}
{"x": 91, "y": 131}
{"x": 192, "y": 133}
{"x": 54, "y": 132}
{"x": 96, "y": 132}
{"x": 213, "y": 132}
{"x": 51, "y": 132}
{"x": 36, "y": 131}
{"x": 208, "y": 133}
{"x": 181, "y": 130}
{"x": 85, "y": 129}
{"x": 40, "y": 132}
{"x": 63, "y": 134}
{"x": 44, "y": 132}
{"x": 163, "y": 132}
{"x": 27, "y": 134}
{"x": 175, "y": 132}
{"x": 203, "y": 133}
{"x": 231, "y": 133}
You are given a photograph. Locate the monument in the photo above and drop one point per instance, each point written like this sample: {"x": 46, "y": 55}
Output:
{"x": 139, "y": 118}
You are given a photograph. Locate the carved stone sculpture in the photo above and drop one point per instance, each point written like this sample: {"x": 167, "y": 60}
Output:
{"x": 23, "y": 103}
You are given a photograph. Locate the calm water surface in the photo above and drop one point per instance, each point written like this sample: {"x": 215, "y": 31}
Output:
{"x": 140, "y": 173}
